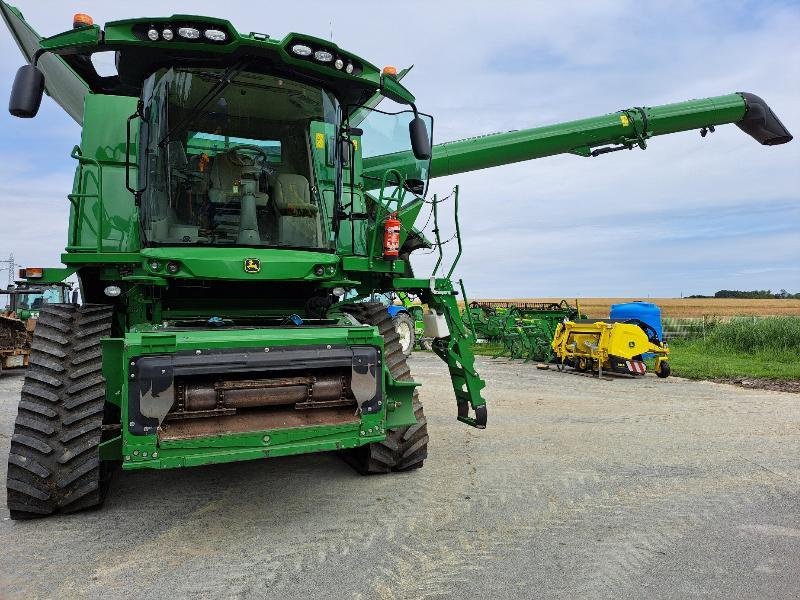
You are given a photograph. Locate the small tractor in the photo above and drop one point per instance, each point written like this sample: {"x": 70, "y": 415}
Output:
{"x": 18, "y": 317}
{"x": 230, "y": 190}
{"x": 405, "y": 325}
{"x": 406, "y": 318}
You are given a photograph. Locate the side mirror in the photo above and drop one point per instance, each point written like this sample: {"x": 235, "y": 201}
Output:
{"x": 420, "y": 143}
{"x": 26, "y": 94}
{"x": 345, "y": 149}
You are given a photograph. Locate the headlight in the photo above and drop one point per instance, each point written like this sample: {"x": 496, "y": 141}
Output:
{"x": 215, "y": 35}
{"x": 112, "y": 291}
{"x": 190, "y": 33}
{"x": 152, "y": 35}
{"x": 323, "y": 56}
{"x": 167, "y": 34}
{"x": 173, "y": 267}
{"x": 349, "y": 68}
{"x": 319, "y": 270}
{"x": 155, "y": 265}
{"x": 301, "y": 50}
{"x": 339, "y": 63}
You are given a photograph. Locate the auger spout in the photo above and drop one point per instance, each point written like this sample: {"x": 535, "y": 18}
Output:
{"x": 625, "y": 129}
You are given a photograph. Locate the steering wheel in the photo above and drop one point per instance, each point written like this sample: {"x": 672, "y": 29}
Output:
{"x": 248, "y": 155}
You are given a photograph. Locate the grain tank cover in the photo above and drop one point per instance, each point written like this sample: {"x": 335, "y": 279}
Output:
{"x": 647, "y": 312}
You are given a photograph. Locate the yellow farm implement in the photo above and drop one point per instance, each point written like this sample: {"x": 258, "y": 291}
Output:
{"x": 608, "y": 345}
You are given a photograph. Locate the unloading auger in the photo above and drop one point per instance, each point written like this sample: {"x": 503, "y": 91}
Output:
{"x": 623, "y": 130}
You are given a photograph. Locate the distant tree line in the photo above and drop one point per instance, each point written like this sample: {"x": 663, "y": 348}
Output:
{"x": 751, "y": 295}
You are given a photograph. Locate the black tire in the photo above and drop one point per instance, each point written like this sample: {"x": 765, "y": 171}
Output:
{"x": 664, "y": 371}
{"x": 54, "y": 463}
{"x": 403, "y": 320}
{"x": 404, "y": 448}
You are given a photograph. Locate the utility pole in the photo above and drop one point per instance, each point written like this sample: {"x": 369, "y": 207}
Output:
{"x": 10, "y": 266}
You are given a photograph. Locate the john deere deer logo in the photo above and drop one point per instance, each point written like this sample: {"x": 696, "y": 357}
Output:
{"x": 252, "y": 265}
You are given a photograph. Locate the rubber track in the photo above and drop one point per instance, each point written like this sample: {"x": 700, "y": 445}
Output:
{"x": 54, "y": 463}
{"x": 406, "y": 447}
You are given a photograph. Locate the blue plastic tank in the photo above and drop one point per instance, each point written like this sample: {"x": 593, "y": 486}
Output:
{"x": 644, "y": 311}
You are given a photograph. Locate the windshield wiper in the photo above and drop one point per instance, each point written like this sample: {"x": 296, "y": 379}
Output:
{"x": 224, "y": 81}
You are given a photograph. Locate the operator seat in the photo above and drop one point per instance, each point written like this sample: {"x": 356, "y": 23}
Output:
{"x": 298, "y": 222}
{"x": 224, "y": 182}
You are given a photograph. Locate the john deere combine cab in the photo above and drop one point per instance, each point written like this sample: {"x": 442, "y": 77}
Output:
{"x": 230, "y": 190}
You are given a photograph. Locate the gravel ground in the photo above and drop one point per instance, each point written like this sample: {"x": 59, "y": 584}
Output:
{"x": 578, "y": 488}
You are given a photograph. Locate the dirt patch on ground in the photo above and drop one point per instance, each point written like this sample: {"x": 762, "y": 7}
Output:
{"x": 754, "y": 383}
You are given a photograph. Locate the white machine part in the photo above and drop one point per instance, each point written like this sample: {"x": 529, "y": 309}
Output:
{"x": 435, "y": 325}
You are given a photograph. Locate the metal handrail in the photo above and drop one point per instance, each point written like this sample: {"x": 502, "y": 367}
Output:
{"x": 458, "y": 233}
{"x": 437, "y": 233}
{"x": 439, "y": 243}
{"x": 76, "y": 198}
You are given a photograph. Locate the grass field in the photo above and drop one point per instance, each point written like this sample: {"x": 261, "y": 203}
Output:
{"x": 767, "y": 349}
{"x": 697, "y": 359}
{"x": 685, "y": 307}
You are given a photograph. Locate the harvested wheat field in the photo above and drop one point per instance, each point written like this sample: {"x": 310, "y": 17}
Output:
{"x": 684, "y": 307}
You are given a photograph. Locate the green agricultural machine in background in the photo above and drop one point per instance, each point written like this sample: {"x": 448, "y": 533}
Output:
{"x": 230, "y": 190}
{"x": 26, "y": 298}
{"x": 525, "y": 329}
{"x": 406, "y": 318}
{"x": 19, "y": 313}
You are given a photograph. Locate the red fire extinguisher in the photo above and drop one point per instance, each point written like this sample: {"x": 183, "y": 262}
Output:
{"x": 391, "y": 237}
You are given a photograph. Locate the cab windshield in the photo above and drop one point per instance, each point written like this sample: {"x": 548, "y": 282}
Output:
{"x": 228, "y": 159}
{"x": 34, "y": 300}
{"x": 386, "y": 136}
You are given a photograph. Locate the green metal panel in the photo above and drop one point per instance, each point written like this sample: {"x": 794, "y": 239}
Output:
{"x": 113, "y": 357}
{"x": 228, "y": 263}
{"x": 104, "y": 219}
{"x": 105, "y": 258}
{"x": 146, "y": 451}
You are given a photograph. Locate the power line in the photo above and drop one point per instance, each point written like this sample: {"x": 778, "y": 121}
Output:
{"x": 11, "y": 265}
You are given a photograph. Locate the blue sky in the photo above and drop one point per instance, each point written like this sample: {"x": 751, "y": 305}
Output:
{"x": 689, "y": 215}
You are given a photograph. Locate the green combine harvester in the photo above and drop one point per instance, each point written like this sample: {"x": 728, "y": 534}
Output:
{"x": 230, "y": 189}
